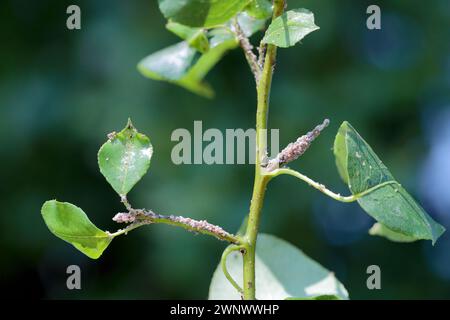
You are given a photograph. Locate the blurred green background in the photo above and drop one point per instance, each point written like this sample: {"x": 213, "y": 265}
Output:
{"x": 62, "y": 91}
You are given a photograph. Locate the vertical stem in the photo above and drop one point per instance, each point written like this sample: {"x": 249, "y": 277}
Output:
{"x": 260, "y": 182}
{"x": 251, "y": 234}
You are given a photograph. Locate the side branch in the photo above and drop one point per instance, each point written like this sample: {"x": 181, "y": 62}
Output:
{"x": 140, "y": 217}
{"x": 297, "y": 148}
{"x": 248, "y": 51}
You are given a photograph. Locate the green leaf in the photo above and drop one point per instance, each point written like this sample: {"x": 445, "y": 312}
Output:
{"x": 381, "y": 230}
{"x": 322, "y": 297}
{"x": 71, "y": 224}
{"x": 249, "y": 25}
{"x": 221, "y": 35}
{"x": 380, "y": 195}
{"x": 220, "y": 44}
{"x": 125, "y": 158}
{"x": 340, "y": 151}
{"x": 177, "y": 65}
{"x": 289, "y": 28}
{"x": 170, "y": 64}
{"x": 282, "y": 271}
{"x": 260, "y": 9}
{"x": 201, "y": 13}
{"x": 195, "y": 37}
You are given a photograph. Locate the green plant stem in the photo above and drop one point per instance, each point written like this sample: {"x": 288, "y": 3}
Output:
{"x": 323, "y": 189}
{"x": 261, "y": 180}
{"x": 223, "y": 263}
{"x": 251, "y": 233}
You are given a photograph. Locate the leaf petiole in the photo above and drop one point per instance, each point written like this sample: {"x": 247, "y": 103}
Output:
{"x": 223, "y": 264}
{"x": 323, "y": 189}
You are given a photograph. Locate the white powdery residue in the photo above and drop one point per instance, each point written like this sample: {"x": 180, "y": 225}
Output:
{"x": 147, "y": 152}
{"x": 124, "y": 217}
{"x": 128, "y": 159}
{"x": 199, "y": 225}
{"x": 297, "y": 148}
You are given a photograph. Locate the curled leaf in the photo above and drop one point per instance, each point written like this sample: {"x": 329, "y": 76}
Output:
{"x": 378, "y": 193}
{"x": 71, "y": 224}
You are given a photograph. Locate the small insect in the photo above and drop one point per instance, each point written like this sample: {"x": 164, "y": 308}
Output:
{"x": 112, "y": 135}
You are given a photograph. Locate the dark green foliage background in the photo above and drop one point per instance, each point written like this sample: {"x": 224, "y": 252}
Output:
{"x": 61, "y": 91}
